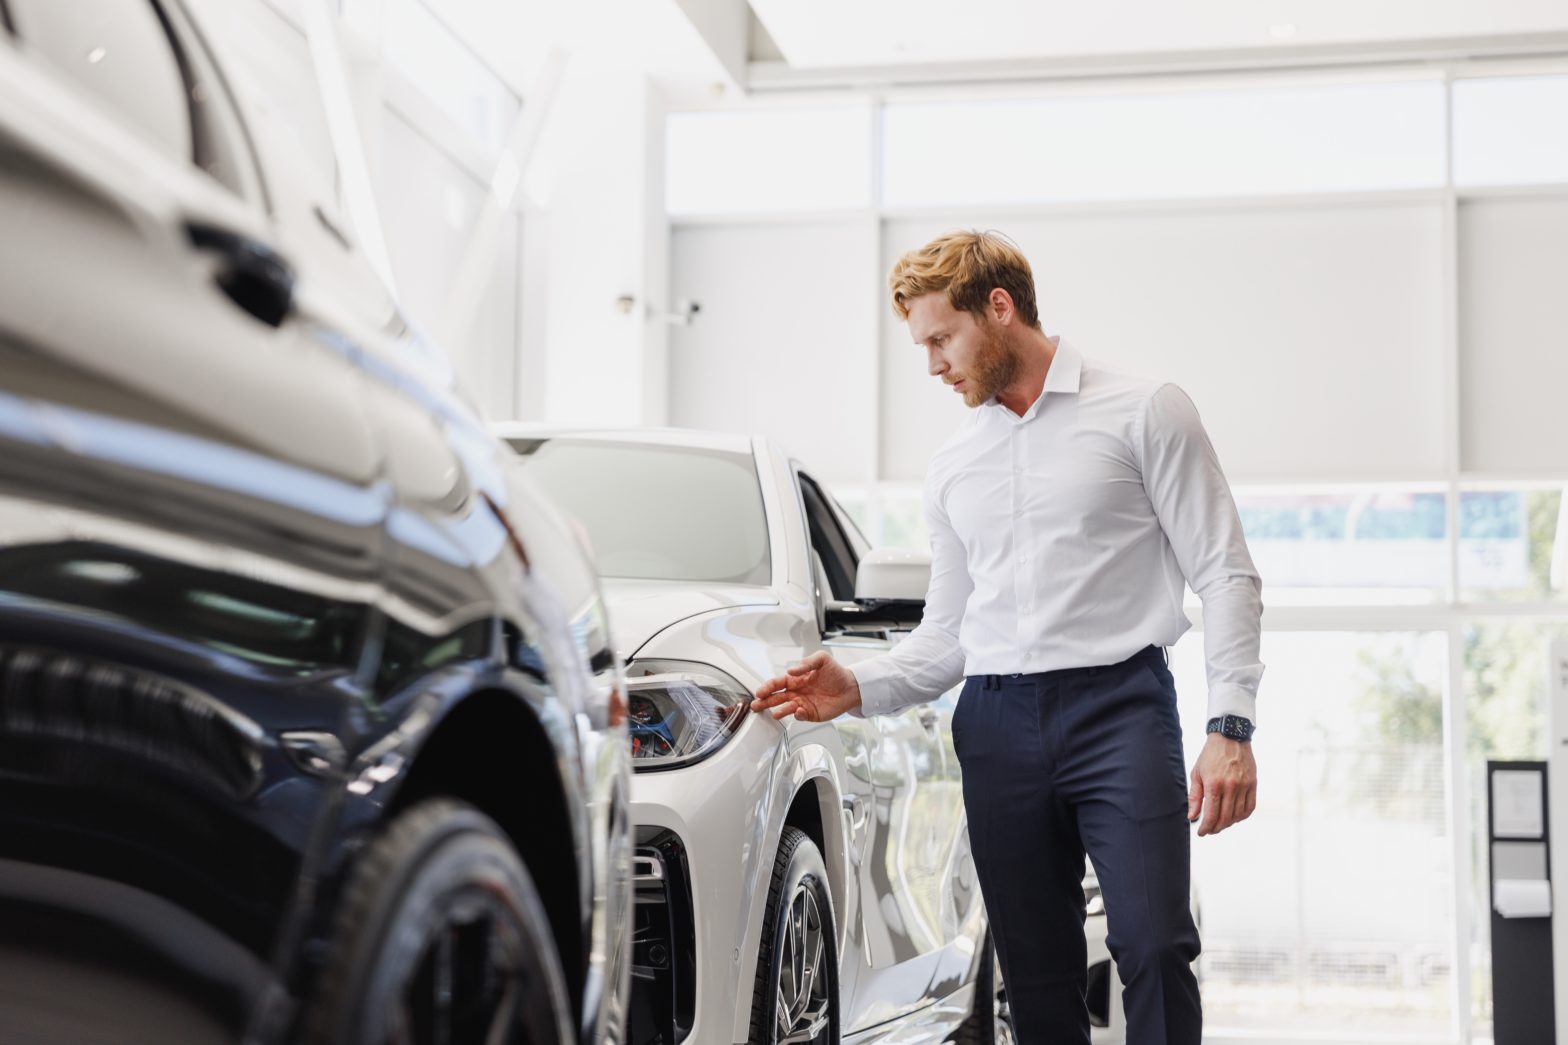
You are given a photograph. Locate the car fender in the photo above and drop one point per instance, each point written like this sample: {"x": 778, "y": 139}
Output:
{"x": 802, "y": 760}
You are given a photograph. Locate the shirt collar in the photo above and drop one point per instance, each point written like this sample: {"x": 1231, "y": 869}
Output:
{"x": 1066, "y": 369}
{"x": 1063, "y": 377}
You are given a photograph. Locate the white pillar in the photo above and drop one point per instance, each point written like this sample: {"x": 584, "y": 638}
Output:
{"x": 598, "y": 226}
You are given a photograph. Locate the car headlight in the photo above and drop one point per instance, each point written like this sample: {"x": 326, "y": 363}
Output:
{"x": 680, "y": 712}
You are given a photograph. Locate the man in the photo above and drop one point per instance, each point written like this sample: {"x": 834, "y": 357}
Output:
{"x": 1064, "y": 516}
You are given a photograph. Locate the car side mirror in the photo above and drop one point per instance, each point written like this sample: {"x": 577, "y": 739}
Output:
{"x": 891, "y": 583}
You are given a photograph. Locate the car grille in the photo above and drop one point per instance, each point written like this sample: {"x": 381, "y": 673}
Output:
{"x": 664, "y": 948}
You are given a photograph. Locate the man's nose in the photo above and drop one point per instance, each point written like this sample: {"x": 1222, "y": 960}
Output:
{"x": 935, "y": 365}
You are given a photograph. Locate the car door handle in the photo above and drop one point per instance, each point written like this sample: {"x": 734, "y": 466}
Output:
{"x": 252, "y": 274}
{"x": 857, "y": 809}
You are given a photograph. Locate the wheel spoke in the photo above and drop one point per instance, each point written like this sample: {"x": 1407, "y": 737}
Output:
{"x": 810, "y": 1024}
{"x": 781, "y": 1018}
{"x": 479, "y": 977}
{"x": 814, "y": 967}
{"x": 502, "y": 1023}
{"x": 797, "y": 939}
{"x": 441, "y": 1007}
{"x": 399, "y": 1024}
{"x": 789, "y": 986}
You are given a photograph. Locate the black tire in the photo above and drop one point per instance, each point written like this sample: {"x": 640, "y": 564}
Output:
{"x": 792, "y": 957}
{"x": 440, "y": 929}
{"x": 989, "y": 1022}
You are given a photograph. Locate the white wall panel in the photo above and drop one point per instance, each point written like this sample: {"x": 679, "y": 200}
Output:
{"x": 1513, "y": 307}
{"x": 428, "y": 208}
{"x": 1509, "y": 130}
{"x": 1310, "y": 337}
{"x": 1167, "y": 145}
{"x": 764, "y": 160}
{"x": 785, "y": 344}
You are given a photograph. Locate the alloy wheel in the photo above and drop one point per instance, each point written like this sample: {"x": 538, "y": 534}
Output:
{"x": 804, "y": 1002}
{"x": 469, "y": 981}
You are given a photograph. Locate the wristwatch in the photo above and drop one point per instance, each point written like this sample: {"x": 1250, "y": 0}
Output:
{"x": 1232, "y": 726}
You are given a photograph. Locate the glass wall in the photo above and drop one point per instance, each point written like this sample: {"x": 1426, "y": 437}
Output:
{"x": 1331, "y": 909}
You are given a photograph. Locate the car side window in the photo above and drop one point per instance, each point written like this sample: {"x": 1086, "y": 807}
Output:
{"x": 117, "y": 52}
{"x": 852, "y": 531}
{"x": 131, "y": 59}
{"x": 829, "y": 540}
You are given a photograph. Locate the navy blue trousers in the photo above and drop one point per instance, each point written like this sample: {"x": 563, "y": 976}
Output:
{"x": 1062, "y": 762}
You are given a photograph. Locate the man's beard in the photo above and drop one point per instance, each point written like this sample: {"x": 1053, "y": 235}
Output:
{"x": 994, "y": 368}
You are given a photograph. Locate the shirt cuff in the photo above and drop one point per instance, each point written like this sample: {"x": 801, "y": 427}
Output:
{"x": 876, "y": 687}
{"x": 1230, "y": 699}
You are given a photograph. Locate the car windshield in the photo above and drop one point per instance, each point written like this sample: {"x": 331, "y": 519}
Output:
{"x": 658, "y": 512}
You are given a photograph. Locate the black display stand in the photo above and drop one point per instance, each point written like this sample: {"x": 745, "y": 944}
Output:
{"x": 1523, "y": 1011}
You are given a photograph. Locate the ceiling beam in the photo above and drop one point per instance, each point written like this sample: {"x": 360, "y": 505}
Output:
{"x": 778, "y": 77}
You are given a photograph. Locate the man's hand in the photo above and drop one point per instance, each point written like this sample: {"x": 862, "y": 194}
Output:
{"x": 817, "y": 689}
{"x": 1224, "y": 784}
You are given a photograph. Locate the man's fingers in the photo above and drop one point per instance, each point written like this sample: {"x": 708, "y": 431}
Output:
{"x": 1250, "y": 804}
{"x": 771, "y": 687}
{"x": 1213, "y": 796}
{"x": 768, "y": 695}
{"x": 777, "y": 689}
{"x": 810, "y": 664}
{"x": 1211, "y": 814}
{"x": 1194, "y": 796}
{"x": 786, "y": 709}
{"x": 797, "y": 677}
{"x": 1228, "y": 797}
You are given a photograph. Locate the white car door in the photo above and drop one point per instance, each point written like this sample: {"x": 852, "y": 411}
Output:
{"x": 900, "y": 875}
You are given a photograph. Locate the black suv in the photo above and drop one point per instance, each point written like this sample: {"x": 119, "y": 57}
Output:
{"x": 310, "y": 724}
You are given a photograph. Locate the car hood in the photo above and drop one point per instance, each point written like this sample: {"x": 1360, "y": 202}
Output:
{"x": 640, "y": 609}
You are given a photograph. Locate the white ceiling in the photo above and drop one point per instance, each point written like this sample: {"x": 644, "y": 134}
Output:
{"x": 656, "y": 37}
{"x": 815, "y": 34}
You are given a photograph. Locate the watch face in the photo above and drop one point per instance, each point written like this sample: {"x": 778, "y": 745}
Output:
{"x": 1233, "y": 727}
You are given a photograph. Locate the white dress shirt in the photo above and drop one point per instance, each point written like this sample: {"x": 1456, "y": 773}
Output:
{"x": 1060, "y": 539}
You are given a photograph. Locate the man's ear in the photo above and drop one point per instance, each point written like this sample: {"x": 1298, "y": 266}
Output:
{"x": 1000, "y": 303}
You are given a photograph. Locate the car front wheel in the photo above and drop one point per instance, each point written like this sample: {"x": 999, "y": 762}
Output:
{"x": 795, "y": 998}
{"x": 440, "y": 936}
